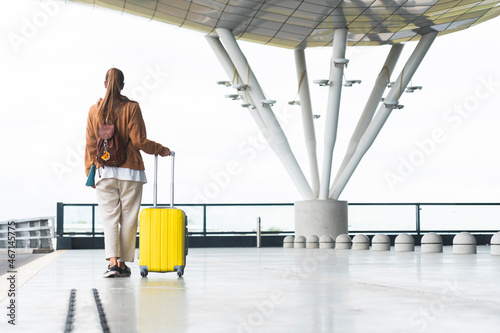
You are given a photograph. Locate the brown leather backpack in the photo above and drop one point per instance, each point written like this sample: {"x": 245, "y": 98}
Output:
{"x": 110, "y": 147}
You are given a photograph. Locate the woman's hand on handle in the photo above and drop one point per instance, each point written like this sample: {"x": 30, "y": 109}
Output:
{"x": 165, "y": 152}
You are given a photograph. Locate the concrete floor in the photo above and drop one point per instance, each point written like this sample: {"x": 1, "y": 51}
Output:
{"x": 265, "y": 290}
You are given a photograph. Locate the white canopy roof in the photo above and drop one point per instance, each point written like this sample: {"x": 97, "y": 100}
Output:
{"x": 288, "y": 23}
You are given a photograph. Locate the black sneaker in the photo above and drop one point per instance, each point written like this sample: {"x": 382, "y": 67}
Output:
{"x": 112, "y": 272}
{"x": 125, "y": 271}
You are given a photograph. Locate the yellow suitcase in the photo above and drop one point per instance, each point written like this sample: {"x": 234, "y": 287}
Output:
{"x": 163, "y": 237}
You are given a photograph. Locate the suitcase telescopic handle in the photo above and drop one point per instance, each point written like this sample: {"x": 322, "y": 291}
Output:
{"x": 155, "y": 184}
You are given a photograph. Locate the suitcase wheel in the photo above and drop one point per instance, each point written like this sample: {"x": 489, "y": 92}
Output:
{"x": 144, "y": 272}
{"x": 180, "y": 270}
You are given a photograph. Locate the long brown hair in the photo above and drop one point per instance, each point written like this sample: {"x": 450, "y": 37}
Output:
{"x": 114, "y": 80}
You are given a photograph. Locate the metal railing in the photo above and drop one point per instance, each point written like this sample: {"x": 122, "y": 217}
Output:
{"x": 418, "y": 218}
{"x": 277, "y": 218}
{"x": 87, "y": 223}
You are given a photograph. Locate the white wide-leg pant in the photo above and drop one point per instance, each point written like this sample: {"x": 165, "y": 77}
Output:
{"x": 119, "y": 205}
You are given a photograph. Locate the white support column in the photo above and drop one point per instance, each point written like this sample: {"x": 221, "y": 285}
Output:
{"x": 274, "y": 134}
{"x": 235, "y": 78}
{"x": 384, "y": 111}
{"x": 307, "y": 116}
{"x": 333, "y": 106}
{"x": 371, "y": 105}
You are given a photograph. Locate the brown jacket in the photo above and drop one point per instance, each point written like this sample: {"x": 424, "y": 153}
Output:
{"x": 132, "y": 129}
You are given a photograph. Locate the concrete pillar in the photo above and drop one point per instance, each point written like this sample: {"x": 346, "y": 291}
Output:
{"x": 404, "y": 243}
{"x": 326, "y": 242}
{"x": 343, "y": 242}
{"x": 360, "y": 242}
{"x": 464, "y": 243}
{"x": 495, "y": 244}
{"x": 288, "y": 242}
{"x": 321, "y": 217}
{"x": 381, "y": 242}
{"x": 312, "y": 242}
{"x": 299, "y": 242}
{"x": 432, "y": 243}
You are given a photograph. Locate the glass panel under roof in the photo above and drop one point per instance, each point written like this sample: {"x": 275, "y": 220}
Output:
{"x": 312, "y": 8}
{"x": 278, "y": 10}
{"x": 261, "y": 31}
{"x": 295, "y": 29}
{"x": 233, "y": 17}
{"x": 354, "y": 11}
{"x": 382, "y": 10}
{"x": 149, "y": 4}
{"x": 290, "y": 36}
{"x": 246, "y": 3}
{"x": 462, "y": 23}
{"x": 461, "y": 9}
{"x": 381, "y": 36}
{"x": 359, "y": 3}
{"x": 362, "y": 25}
{"x": 113, "y": 4}
{"x": 288, "y": 4}
{"x": 403, "y": 34}
{"x": 417, "y": 10}
{"x": 202, "y": 10}
{"x": 138, "y": 10}
{"x": 393, "y": 3}
{"x": 171, "y": 11}
{"x": 316, "y": 18}
{"x": 247, "y": 12}
{"x": 271, "y": 17}
{"x": 210, "y": 4}
{"x": 176, "y": 3}
{"x": 202, "y": 19}
{"x": 369, "y": 18}
{"x": 279, "y": 42}
{"x": 251, "y": 36}
{"x": 266, "y": 24}
{"x": 196, "y": 26}
{"x": 301, "y": 22}
{"x": 440, "y": 27}
{"x": 474, "y": 14}
{"x": 355, "y": 37}
{"x": 326, "y": 3}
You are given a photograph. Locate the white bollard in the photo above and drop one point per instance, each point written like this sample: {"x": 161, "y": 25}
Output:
{"x": 299, "y": 242}
{"x": 464, "y": 243}
{"x": 495, "y": 244}
{"x": 360, "y": 242}
{"x": 326, "y": 242}
{"x": 312, "y": 242}
{"x": 381, "y": 242}
{"x": 404, "y": 243}
{"x": 432, "y": 243}
{"x": 343, "y": 242}
{"x": 288, "y": 242}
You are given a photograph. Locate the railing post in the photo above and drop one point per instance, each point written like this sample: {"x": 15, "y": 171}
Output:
{"x": 204, "y": 220}
{"x": 60, "y": 219}
{"x": 93, "y": 220}
{"x": 417, "y": 227}
{"x": 258, "y": 232}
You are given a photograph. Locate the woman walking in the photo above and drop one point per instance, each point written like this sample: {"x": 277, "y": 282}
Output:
{"x": 119, "y": 188}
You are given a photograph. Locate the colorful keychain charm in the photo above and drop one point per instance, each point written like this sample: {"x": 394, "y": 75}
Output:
{"x": 105, "y": 156}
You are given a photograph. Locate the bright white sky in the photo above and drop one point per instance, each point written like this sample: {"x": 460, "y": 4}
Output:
{"x": 53, "y": 63}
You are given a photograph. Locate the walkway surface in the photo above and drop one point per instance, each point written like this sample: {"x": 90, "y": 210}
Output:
{"x": 263, "y": 290}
